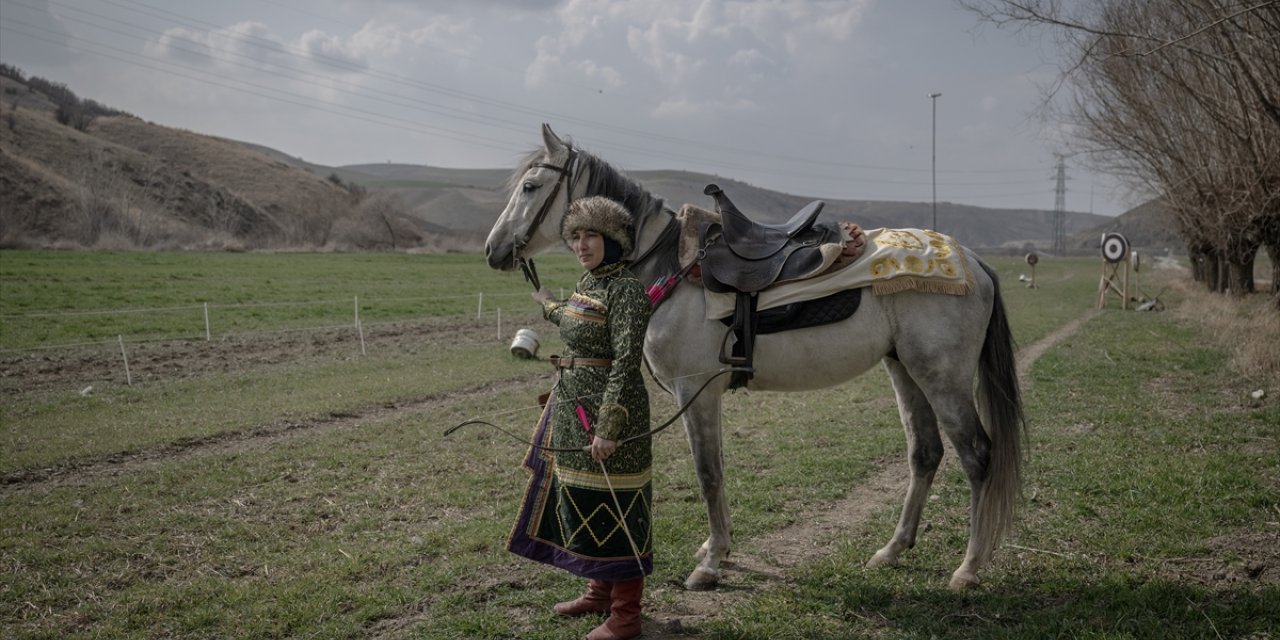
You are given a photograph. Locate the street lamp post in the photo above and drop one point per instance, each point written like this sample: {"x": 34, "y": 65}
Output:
{"x": 934, "y": 98}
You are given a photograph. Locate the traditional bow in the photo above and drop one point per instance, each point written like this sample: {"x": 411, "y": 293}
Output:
{"x": 648, "y": 434}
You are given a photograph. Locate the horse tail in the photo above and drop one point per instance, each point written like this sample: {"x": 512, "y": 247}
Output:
{"x": 1000, "y": 406}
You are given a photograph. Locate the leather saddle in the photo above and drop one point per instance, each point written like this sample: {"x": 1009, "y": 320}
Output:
{"x": 742, "y": 255}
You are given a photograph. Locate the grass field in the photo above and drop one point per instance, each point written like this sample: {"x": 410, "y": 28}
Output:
{"x": 53, "y": 298}
{"x": 309, "y": 494}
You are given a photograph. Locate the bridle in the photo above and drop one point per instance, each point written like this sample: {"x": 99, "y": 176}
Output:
{"x": 568, "y": 175}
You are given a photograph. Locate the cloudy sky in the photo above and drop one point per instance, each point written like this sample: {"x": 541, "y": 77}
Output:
{"x": 816, "y": 98}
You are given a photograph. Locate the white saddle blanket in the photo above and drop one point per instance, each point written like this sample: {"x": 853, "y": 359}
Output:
{"x": 894, "y": 260}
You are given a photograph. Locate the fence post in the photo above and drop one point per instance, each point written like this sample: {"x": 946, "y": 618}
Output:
{"x": 207, "y": 334}
{"x": 128, "y": 377}
{"x": 360, "y": 328}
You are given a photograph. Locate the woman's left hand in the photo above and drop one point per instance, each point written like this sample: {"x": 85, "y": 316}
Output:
{"x": 543, "y": 295}
{"x": 601, "y": 449}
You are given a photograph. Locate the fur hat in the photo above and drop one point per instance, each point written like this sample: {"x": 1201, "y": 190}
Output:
{"x": 602, "y": 215}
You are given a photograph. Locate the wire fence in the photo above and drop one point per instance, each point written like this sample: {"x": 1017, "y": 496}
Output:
{"x": 215, "y": 321}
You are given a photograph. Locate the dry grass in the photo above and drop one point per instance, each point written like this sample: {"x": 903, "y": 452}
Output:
{"x": 1248, "y": 327}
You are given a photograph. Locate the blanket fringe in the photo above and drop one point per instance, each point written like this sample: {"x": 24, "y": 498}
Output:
{"x": 924, "y": 285}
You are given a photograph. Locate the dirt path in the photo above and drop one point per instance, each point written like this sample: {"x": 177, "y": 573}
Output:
{"x": 671, "y": 611}
{"x": 124, "y": 463}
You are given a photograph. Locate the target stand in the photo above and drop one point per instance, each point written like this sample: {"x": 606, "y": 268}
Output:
{"x": 1115, "y": 270}
{"x": 1032, "y": 259}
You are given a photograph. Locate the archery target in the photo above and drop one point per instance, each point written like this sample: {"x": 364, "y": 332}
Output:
{"x": 1133, "y": 259}
{"x": 1114, "y": 247}
{"x": 1032, "y": 259}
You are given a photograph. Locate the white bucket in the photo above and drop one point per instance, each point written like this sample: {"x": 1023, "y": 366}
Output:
{"x": 525, "y": 344}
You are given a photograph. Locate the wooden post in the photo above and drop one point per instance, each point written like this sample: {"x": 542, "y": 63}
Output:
{"x": 499, "y": 324}
{"x": 1124, "y": 301}
{"x": 128, "y": 377}
{"x": 479, "y": 306}
{"x": 207, "y": 334}
{"x": 360, "y": 327}
{"x": 1102, "y": 286}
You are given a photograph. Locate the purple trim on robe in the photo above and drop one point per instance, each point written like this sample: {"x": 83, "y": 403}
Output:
{"x": 522, "y": 544}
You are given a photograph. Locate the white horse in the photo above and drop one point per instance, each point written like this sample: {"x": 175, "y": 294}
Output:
{"x": 932, "y": 345}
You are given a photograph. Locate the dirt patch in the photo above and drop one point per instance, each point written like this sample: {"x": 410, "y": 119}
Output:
{"x": 75, "y": 369}
{"x": 1249, "y": 559}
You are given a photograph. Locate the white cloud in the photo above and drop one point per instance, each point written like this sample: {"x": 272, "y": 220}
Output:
{"x": 605, "y": 73}
{"x": 255, "y": 45}
{"x": 680, "y": 48}
{"x": 685, "y": 108}
{"x": 325, "y": 48}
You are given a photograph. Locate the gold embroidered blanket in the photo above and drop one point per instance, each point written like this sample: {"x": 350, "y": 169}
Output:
{"x": 894, "y": 260}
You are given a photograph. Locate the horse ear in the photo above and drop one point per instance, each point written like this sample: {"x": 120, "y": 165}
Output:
{"x": 551, "y": 140}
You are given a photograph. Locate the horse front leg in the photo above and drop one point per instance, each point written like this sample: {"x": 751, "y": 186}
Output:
{"x": 702, "y": 426}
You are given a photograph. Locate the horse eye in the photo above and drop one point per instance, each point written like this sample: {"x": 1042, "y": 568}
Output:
{"x": 529, "y": 186}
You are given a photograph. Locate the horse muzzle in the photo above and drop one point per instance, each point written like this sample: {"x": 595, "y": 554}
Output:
{"x": 500, "y": 256}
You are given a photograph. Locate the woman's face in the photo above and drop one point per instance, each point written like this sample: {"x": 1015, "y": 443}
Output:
{"x": 588, "y": 245}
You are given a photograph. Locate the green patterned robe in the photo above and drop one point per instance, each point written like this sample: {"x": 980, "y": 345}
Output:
{"x": 569, "y": 517}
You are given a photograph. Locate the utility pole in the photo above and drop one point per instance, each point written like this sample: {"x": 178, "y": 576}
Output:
{"x": 1060, "y": 209}
{"x": 934, "y": 98}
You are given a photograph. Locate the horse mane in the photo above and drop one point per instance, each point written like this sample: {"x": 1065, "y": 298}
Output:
{"x": 605, "y": 180}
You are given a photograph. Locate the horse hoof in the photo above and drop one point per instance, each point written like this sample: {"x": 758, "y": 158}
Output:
{"x": 882, "y": 559}
{"x": 702, "y": 579}
{"x": 963, "y": 581}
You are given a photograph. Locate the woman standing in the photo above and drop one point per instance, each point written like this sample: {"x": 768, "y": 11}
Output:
{"x": 588, "y": 511}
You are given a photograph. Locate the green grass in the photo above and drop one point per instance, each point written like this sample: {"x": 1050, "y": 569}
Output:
{"x": 54, "y": 298}
{"x": 1145, "y": 458}
{"x": 1144, "y": 454}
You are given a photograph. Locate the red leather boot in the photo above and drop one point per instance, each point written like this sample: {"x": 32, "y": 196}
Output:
{"x": 624, "y": 618}
{"x": 595, "y": 599}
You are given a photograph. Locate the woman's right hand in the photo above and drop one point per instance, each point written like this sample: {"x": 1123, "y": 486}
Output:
{"x": 543, "y": 296}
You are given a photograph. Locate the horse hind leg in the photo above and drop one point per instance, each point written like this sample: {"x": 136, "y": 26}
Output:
{"x": 924, "y": 454}
{"x": 702, "y": 426}
{"x": 959, "y": 419}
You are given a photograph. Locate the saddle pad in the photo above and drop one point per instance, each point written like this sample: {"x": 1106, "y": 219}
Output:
{"x": 894, "y": 260}
{"x": 802, "y": 315}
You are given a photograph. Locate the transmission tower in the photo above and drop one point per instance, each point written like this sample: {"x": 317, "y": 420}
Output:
{"x": 1060, "y": 210}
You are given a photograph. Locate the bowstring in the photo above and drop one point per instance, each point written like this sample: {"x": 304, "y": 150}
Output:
{"x": 653, "y": 432}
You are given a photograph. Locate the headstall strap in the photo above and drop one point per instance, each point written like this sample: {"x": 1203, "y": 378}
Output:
{"x": 566, "y": 175}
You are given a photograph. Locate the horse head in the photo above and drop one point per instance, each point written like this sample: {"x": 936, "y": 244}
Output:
{"x": 540, "y": 193}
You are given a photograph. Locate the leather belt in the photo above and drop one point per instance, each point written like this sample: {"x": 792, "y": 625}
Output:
{"x": 569, "y": 362}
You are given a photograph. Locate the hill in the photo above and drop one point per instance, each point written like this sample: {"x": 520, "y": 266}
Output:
{"x": 116, "y": 181}
{"x": 1149, "y": 227}
{"x": 113, "y": 180}
{"x": 470, "y": 200}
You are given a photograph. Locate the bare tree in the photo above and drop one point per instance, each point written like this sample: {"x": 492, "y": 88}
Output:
{"x": 1182, "y": 99}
